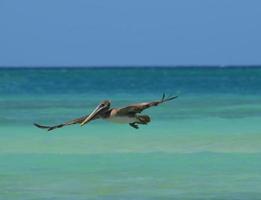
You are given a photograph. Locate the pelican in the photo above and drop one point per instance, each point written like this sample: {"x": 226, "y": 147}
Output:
{"x": 126, "y": 115}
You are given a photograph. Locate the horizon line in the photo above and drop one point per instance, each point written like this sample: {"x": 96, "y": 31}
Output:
{"x": 128, "y": 66}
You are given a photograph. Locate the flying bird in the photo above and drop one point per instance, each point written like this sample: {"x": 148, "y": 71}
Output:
{"x": 127, "y": 115}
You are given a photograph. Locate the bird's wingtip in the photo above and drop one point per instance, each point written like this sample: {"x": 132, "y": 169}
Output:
{"x": 37, "y": 125}
{"x": 41, "y": 126}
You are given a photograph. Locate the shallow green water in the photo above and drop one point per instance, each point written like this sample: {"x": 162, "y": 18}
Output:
{"x": 131, "y": 176}
{"x": 204, "y": 145}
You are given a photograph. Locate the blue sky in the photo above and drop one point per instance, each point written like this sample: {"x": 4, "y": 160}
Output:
{"x": 130, "y": 32}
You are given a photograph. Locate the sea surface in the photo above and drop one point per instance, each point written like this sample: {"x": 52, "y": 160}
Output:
{"x": 204, "y": 145}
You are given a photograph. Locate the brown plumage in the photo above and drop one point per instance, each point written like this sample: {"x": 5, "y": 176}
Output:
{"x": 75, "y": 121}
{"x": 128, "y": 114}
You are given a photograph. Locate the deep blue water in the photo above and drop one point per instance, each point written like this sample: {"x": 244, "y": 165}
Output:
{"x": 111, "y": 81}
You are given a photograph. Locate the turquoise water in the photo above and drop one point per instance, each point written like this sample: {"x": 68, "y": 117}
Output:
{"x": 204, "y": 145}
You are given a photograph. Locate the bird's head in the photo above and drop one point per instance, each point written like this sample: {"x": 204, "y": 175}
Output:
{"x": 103, "y": 107}
{"x": 105, "y": 103}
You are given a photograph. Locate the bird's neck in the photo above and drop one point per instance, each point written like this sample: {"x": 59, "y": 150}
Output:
{"x": 107, "y": 113}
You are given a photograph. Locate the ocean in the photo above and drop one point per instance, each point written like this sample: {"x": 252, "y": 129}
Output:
{"x": 204, "y": 145}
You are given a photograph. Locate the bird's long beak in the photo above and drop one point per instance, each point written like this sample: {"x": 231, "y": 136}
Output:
{"x": 93, "y": 114}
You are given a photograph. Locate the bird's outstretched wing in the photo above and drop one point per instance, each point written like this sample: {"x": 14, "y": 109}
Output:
{"x": 74, "y": 121}
{"x": 138, "y": 108}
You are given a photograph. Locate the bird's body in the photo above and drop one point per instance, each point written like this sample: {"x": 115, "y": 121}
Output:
{"x": 126, "y": 115}
{"x": 122, "y": 119}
